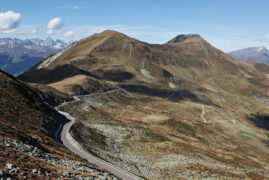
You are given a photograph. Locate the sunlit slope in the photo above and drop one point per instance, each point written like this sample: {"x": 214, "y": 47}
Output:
{"x": 186, "y": 62}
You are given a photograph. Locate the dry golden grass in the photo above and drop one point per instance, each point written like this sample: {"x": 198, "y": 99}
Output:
{"x": 69, "y": 85}
{"x": 223, "y": 85}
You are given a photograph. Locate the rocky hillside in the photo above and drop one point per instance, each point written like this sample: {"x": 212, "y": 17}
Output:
{"x": 182, "y": 109}
{"x": 17, "y": 56}
{"x": 252, "y": 54}
{"x": 27, "y": 129}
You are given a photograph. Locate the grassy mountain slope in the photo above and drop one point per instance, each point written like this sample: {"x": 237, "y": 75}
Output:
{"x": 183, "y": 109}
{"x": 115, "y": 57}
{"x": 28, "y": 149}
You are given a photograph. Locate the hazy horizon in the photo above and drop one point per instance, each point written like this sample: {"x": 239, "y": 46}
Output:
{"x": 227, "y": 25}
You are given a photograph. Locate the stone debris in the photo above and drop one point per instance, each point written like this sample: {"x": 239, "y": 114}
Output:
{"x": 10, "y": 170}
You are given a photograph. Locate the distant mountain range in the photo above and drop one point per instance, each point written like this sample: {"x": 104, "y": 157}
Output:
{"x": 252, "y": 54}
{"x": 17, "y": 56}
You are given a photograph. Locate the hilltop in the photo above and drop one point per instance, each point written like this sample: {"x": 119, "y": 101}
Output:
{"x": 185, "y": 62}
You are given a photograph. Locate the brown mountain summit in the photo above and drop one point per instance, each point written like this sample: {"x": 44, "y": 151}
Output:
{"x": 184, "y": 61}
{"x": 186, "y": 38}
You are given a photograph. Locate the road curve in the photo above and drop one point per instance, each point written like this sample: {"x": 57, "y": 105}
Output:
{"x": 63, "y": 135}
{"x": 217, "y": 121}
{"x": 203, "y": 113}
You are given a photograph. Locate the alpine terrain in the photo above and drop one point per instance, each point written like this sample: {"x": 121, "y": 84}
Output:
{"x": 29, "y": 148}
{"x": 179, "y": 110}
{"x": 18, "y": 55}
{"x": 252, "y": 54}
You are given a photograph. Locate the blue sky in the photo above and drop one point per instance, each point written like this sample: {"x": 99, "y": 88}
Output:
{"x": 226, "y": 24}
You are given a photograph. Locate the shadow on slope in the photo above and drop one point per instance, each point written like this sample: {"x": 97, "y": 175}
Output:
{"x": 117, "y": 75}
{"x": 23, "y": 113}
{"x": 260, "y": 120}
{"x": 47, "y": 76}
{"x": 171, "y": 95}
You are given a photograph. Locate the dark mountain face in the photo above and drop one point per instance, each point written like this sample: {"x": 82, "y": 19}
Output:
{"x": 183, "y": 37}
{"x": 17, "y": 56}
{"x": 252, "y": 54}
{"x": 20, "y": 102}
{"x": 28, "y": 124}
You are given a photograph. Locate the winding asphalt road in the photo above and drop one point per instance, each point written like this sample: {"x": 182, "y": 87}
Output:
{"x": 63, "y": 135}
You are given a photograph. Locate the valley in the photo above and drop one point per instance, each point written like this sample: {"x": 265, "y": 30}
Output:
{"x": 63, "y": 135}
{"x": 28, "y": 123}
{"x": 182, "y": 109}
{"x": 159, "y": 140}
{"x": 134, "y": 90}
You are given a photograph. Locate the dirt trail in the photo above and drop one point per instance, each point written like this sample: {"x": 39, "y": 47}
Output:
{"x": 217, "y": 121}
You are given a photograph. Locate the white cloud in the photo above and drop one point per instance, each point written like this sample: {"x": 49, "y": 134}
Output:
{"x": 75, "y": 7}
{"x": 9, "y": 21}
{"x": 29, "y": 30}
{"x": 73, "y": 33}
{"x": 69, "y": 7}
{"x": 9, "y": 31}
{"x": 266, "y": 37}
{"x": 34, "y": 31}
{"x": 54, "y": 26}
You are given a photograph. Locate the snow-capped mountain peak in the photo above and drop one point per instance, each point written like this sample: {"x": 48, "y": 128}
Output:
{"x": 19, "y": 55}
{"x": 261, "y": 48}
{"x": 38, "y": 44}
{"x": 252, "y": 54}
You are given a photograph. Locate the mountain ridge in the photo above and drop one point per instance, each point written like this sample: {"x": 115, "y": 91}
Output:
{"x": 252, "y": 54}
{"x": 136, "y": 55}
{"x": 185, "y": 37}
{"x": 16, "y": 55}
